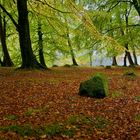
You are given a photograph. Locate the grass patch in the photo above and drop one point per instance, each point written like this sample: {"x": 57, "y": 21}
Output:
{"x": 53, "y": 129}
{"x": 137, "y": 98}
{"x": 116, "y": 94}
{"x": 23, "y": 131}
{"x": 11, "y": 117}
{"x": 68, "y": 128}
{"x": 69, "y": 132}
{"x": 98, "y": 122}
{"x": 58, "y": 129}
{"x": 137, "y": 117}
{"x": 77, "y": 120}
{"x": 32, "y": 111}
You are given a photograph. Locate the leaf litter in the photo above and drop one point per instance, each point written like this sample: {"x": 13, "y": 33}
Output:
{"x": 49, "y": 103}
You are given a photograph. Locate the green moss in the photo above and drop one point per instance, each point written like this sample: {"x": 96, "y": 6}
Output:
{"x": 137, "y": 98}
{"x": 69, "y": 132}
{"x": 68, "y": 128}
{"x": 11, "y": 117}
{"x": 25, "y": 130}
{"x": 78, "y": 120}
{"x": 101, "y": 122}
{"x": 57, "y": 129}
{"x": 96, "y": 87}
{"x": 116, "y": 94}
{"x": 53, "y": 129}
{"x": 137, "y": 117}
{"x": 32, "y": 111}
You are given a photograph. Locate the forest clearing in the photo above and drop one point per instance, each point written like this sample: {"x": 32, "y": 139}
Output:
{"x": 48, "y": 53}
{"x": 46, "y": 105}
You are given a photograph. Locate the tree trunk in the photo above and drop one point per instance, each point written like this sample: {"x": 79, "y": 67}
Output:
{"x": 7, "y": 62}
{"x": 135, "y": 57}
{"x": 71, "y": 51}
{"x": 130, "y": 59}
{"x": 125, "y": 57}
{"x": 28, "y": 58}
{"x": 114, "y": 62}
{"x": 40, "y": 43}
{"x": 90, "y": 56}
{"x": 1, "y": 62}
{"x": 129, "y": 55}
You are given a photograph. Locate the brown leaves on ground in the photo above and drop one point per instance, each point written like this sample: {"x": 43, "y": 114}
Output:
{"x": 49, "y": 102}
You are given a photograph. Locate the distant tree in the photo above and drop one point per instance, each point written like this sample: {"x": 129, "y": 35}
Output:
{"x": 71, "y": 49}
{"x": 40, "y": 44}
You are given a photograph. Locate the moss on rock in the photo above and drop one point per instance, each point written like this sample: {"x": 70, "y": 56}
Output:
{"x": 96, "y": 87}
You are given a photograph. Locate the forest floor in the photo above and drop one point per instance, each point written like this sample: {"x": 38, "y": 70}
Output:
{"x": 46, "y": 105}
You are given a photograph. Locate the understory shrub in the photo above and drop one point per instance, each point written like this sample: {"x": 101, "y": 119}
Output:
{"x": 96, "y": 87}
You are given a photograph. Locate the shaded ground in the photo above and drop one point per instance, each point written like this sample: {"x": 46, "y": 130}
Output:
{"x": 46, "y": 105}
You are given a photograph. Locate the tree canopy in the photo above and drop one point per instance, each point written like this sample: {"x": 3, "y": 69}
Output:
{"x": 40, "y": 33}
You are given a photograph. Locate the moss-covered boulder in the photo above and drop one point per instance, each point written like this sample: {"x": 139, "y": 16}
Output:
{"x": 96, "y": 87}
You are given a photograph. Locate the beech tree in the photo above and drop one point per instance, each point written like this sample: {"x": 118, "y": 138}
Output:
{"x": 28, "y": 58}
{"x": 40, "y": 44}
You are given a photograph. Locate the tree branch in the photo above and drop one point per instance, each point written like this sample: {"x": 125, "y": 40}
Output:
{"x": 9, "y": 15}
{"x": 52, "y": 7}
{"x": 113, "y": 7}
{"x": 125, "y": 1}
{"x": 132, "y": 25}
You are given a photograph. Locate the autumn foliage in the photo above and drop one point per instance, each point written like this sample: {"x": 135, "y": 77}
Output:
{"x": 46, "y": 105}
